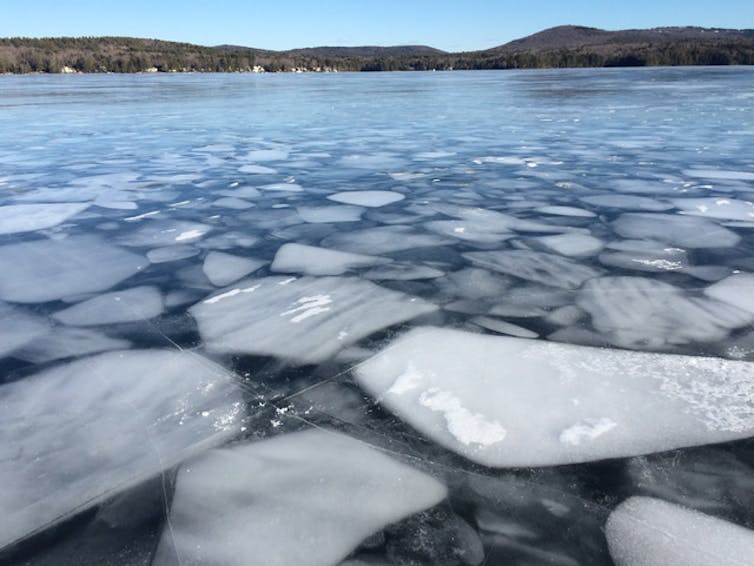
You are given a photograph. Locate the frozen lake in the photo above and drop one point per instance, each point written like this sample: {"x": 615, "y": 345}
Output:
{"x": 362, "y": 319}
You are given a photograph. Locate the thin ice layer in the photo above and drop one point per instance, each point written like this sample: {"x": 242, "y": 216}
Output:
{"x": 47, "y": 270}
{"x": 80, "y": 432}
{"x": 304, "y": 320}
{"x": 18, "y": 328}
{"x": 511, "y": 402}
{"x": 308, "y": 498}
{"x": 222, "y": 268}
{"x": 683, "y": 231}
{"x": 643, "y": 531}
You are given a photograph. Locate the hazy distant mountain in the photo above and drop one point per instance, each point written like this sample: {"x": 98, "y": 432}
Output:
{"x": 579, "y": 36}
{"x": 562, "y": 46}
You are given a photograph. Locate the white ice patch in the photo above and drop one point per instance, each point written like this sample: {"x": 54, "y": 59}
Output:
{"x": 171, "y": 253}
{"x": 323, "y": 214}
{"x": 736, "y": 290}
{"x": 47, "y": 270}
{"x": 256, "y": 170}
{"x": 726, "y": 209}
{"x": 190, "y": 235}
{"x": 467, "y": 427}
{"x": 565, "y": 211}
{"x": 372, "y": 199}
{"x": 407, "y": 381}
{"x": 160, "y": 233}
{"x": 382, "y": 240}
{"x": 17, "y": 218}
{"x": 307, "y": 307}
{"x": 18, "y": 328}
{"x": 627, "y": 403}
{"x": 587, "y": 430}
{"x": 572, "y": 245}
{"x": 331, "y": 490}
{"x": 720, "y": 174}
{"x": 643, "y": 531}
{"x": 233, "y": 203}
{"x": 79, "y": 433}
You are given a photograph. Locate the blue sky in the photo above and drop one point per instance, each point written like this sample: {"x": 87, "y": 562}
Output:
{"x": 284, "y": 24}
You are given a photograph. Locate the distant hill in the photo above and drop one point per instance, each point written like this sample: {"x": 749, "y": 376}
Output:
{"x": 558, "y": 47}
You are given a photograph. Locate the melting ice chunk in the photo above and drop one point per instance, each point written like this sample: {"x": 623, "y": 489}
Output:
{"x": 549, "y": 269}
{"x": 78, "y": 433}
{"x": 290, "y": 319}
{"x": 47, "y": 270}
{"x": 28, "y": 217}
{"x": 724, "y": 208}
{"x": 683, "y": 231}
{"x": 138, "y": 303}
{"x": 643, "y": 531}
{"x": 222, "y": 269}
{"x": 307, "y": 498}
{"x": 590, "y": 403}
{"x": 311, "y": 260}
{"x": 372, "y": 199}
{"x": 18, "y": 328}
{"x": 736, "y": 290}
{"x": 635, "y": 312}
{"x": 573, "y": 245}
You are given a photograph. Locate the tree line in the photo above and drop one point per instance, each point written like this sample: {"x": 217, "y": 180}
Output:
{"x": 130, "y": 55}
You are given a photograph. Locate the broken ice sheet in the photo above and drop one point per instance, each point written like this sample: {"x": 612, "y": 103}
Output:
{"x": 643, "y": 531}
{"x": 129, "y": 305}
{"x": 307, "y": 498}
{"x": 79, "y": 432}
{"x": 305, "y": 320}
{"x": 683, "y": 231}
{"x": 18, "y": 328}
{"x": 28, "y": 217}
{"x": 47, "y": 270}
{"x": 474, "y": 395}
{"x": 62, "y": 342}
{"x": 372, "y": 199}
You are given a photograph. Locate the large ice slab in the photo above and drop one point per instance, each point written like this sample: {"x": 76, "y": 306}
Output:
{"x": 512, "y": 402}
{"x": 80, "y": 432}
{"x": 635, "y": 312}
{"x": 222, "y": 268}
{"x": 322, "y": 214}
{"x": 572, "y": 245}
{"x": 63, "y": 342}
{"x": 549, "y": 269}
{"x": 684, "y": 231}
{"x": 28, "y": 217}
{"x": 312, "y": 260}
{"x": 304, "y": 320}
{"x": 129, "y": 305}
{"x": 47, "y": 270}
{"x": 723, "y": 208}
{"x": 307, "y": 498}
{"x": 643, "y": 531}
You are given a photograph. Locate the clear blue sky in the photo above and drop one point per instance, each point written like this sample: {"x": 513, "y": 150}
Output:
{"x": 284, "y": 24}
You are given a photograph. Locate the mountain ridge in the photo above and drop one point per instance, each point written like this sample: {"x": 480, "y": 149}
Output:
{"x": 557, "y": 47}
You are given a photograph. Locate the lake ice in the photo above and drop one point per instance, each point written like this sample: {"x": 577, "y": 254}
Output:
{"x": 414, "y": 318}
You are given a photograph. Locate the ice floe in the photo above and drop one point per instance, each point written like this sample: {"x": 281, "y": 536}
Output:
{"x": 627, "y": 202}
{"x": 549, "y": 269}
{"x": 471, "y": 231}
{"x": 16, "y": 218}
{"x": 62, "y": 342}
{"x": 322, "y": 214}
{"x": 382, "y": 240}
{"x": 165, "y": 233}
{"x": 572, "y": 245}
{"x": 643, "y": 531}
{"x": 403, "y": 272}
{"x": 47, "y": 270}
{"x": 312, "y": 260}
{"x": 502, "y": 327}
{"x": 223, "y": 269}
{"x": 309, "y": 498}
{"x": 635, "y": 312}
{"x": 233, "y": 203}
{"x": 566, "y": 211}
{"x": 683, "y": 231}
{"x": 371, "y": 199}
{"x": 736, "y": 290}
{"x": 172, "y": 253}
{"x": 305, "y": 320}
{"x": 18, "y": 328}
{"x": 723, "y": 208}
{"x": 137, "y": 303}
{"x": 498, "y": 222}
{"x": 80, "y": 432}
{"x": 474, "y": 395}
